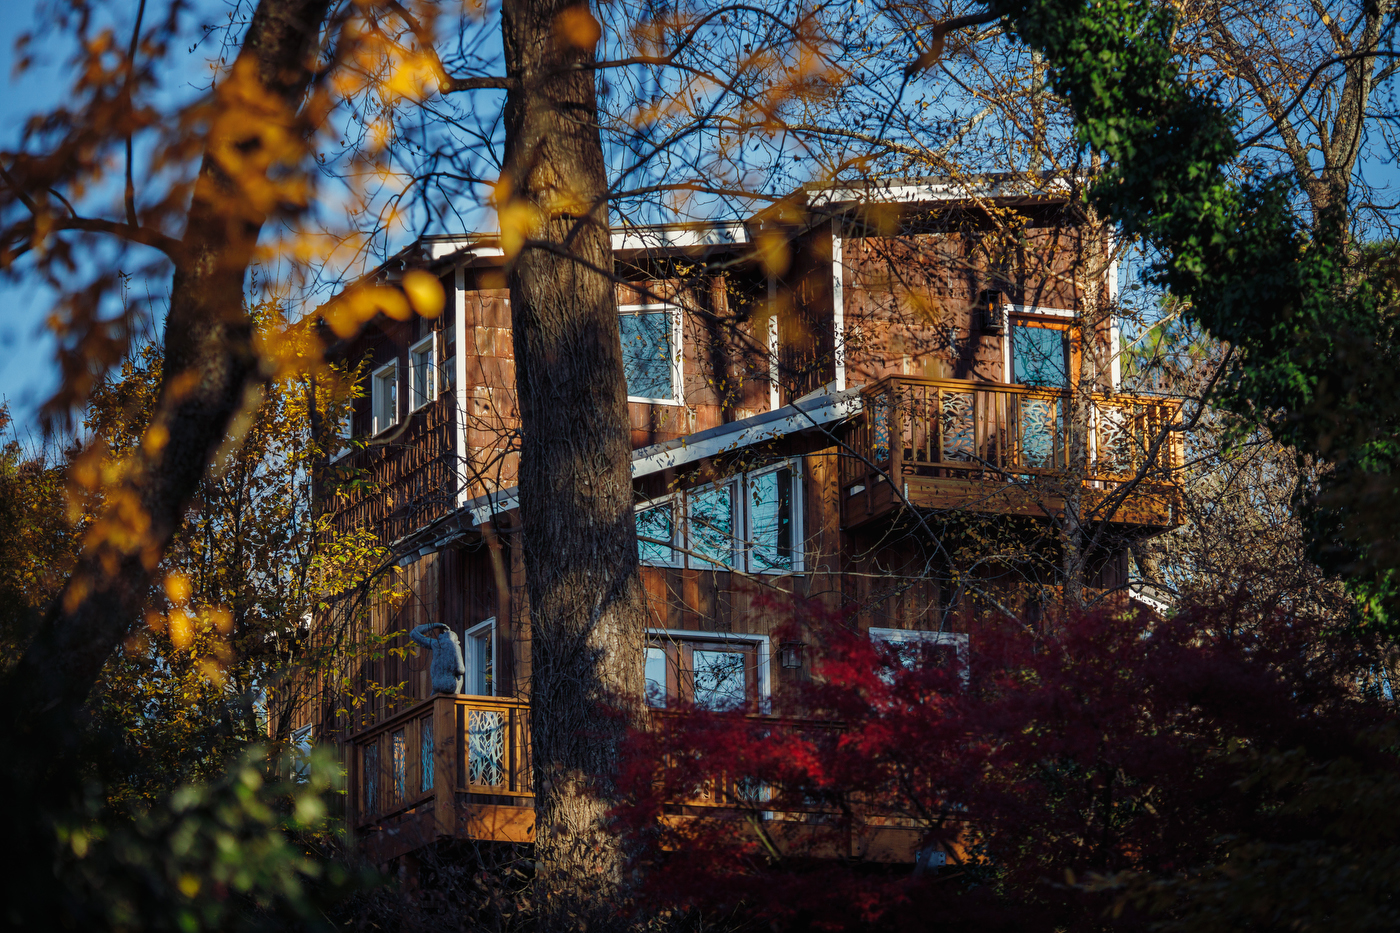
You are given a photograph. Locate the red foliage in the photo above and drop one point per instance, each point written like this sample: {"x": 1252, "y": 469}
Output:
{"x": 1112, "y": 742}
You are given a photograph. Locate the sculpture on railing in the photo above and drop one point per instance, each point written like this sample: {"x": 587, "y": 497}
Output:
{"x": 447, "y": 668}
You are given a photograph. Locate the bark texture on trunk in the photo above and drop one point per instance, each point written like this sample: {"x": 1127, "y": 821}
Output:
{"x": 587, "y": 606}
{"x": 210, "y": 372}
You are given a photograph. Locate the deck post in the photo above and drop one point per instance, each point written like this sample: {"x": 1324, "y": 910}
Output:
{"x": 445, "y": 741}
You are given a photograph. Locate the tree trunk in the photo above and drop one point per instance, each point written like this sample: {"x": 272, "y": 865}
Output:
{"x": 210, "y": 372}
{"x": 587, "y": 607}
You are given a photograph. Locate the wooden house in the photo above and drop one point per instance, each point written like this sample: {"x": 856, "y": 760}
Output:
{"x": 851, "y": 398}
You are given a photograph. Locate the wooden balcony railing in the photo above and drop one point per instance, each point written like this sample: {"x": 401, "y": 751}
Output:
{"x": 459, "y": 766}
{"x": 435, "y": 760}
{"x": 403, "y": 481}
{"x": 935, "y": 428}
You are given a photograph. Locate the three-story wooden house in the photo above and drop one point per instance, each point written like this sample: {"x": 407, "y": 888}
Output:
{"x": 902, "y": 402}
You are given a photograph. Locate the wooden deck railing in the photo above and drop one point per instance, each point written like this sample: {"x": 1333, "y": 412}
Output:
{"x": 404, "y": 480}
{"x": 937, "y": 427}
{"x": 431, "y": 752}
{"x": 451, "y": 765}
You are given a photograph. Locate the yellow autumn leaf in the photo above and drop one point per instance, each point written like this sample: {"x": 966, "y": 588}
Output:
{"x": 576, "y": 26}
{"x": 424, "y": 292}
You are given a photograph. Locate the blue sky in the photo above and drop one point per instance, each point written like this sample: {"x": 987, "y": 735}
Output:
{"x": 27, "y": 372}
{"x": 27, "y": 367}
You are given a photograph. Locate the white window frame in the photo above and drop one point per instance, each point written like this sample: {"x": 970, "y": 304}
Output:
{"x": 736, "y": 526}
{"x": 344, "y": 432}
{"x": 415, "y": 392}
{"x": 798, "y": 537}
{"x": 469, "y": 649}
{"x": 677, "y": 351}
{"x": 376, "y": 397}
{"x": 764, "y": 646}
{"x": 958, "y": 640}
{"x": 678, "y": 517}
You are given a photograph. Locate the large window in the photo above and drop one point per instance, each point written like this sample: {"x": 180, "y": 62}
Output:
{"x": 657, "y": 533}
{"x": 710, "y": 525}
{"x": 771, "y": 520}
{"x": 748, "y": 522}
{"x": 422, "y": 373}
{"x": 384, "y": 397}
{"x": 710, "y": 671}
{"x": 909, "y": 648}
{"x": 651, "y": 352}
{"x": 1040, "y": 354}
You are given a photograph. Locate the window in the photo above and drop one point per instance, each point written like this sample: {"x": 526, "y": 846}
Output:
{"x": 480, "y": 651}
{"x": 909, "y": 648}
{"x": 344, "y": 431}
{"x": 712, "y": 671}
{"x": 772, "y": 522}
{"x": 656, "y": 677}
{"x": 752, "y": 521}
{"x": 656, "y": 522}
{"x": 422, "y": 372}
{"x": 651, "y": 356}
{"x": 384, "y": 397}
{"x": 1040, "y": 354}
{"x": 301, "y": 743}
{"x": 710, "y": 523}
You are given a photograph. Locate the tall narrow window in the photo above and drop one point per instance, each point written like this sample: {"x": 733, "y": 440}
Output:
{"x": 344, "y": 431}
{"x": 422, "y": 372}
{"x": 656, "y": 678}
{"x": 651, "y": 355}
{"x": 384, "y": 392}
{"x": 480, "y": 650}
{"x": 772, "y": 521}
{"x": 711, "y": 526}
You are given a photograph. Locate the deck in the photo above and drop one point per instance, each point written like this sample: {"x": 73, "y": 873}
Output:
{"x": 941, "y": 444}
{"x": 448, "y": 767}
{"x": 458, "y": 767}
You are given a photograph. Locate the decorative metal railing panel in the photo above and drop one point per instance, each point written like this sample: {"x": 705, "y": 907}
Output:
{"x": 441, "y": 746}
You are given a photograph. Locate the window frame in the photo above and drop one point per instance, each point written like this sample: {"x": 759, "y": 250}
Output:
{"x": 377, "y": 379}
{"x": 674, "y": 641}
{"x": 470, "y": 638}
{"x": 676, "y": 501}
{"x": 749, "y": 542}
{"x": 428, "y": 343}
{"x": 344, "y": 432}
{"x": 736, "y": 555}
{"x": 1048, "y": 319}
{"x": 677, "y": 354}
{"x": 958, "y": 640}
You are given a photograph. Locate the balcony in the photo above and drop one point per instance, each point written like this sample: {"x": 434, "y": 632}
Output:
{"x": 1006, "y": 449}
{"x": 450, "y": 766}
{"x": 404, "y": 480}
{"x": 459, "y": 767}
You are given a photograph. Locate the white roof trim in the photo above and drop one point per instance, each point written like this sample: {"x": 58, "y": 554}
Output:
{"x": 913, "y": 193}
{"x": 813, "y": 412}
{"x": 819, "y": 408}
{"x": 719, "y": 233}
